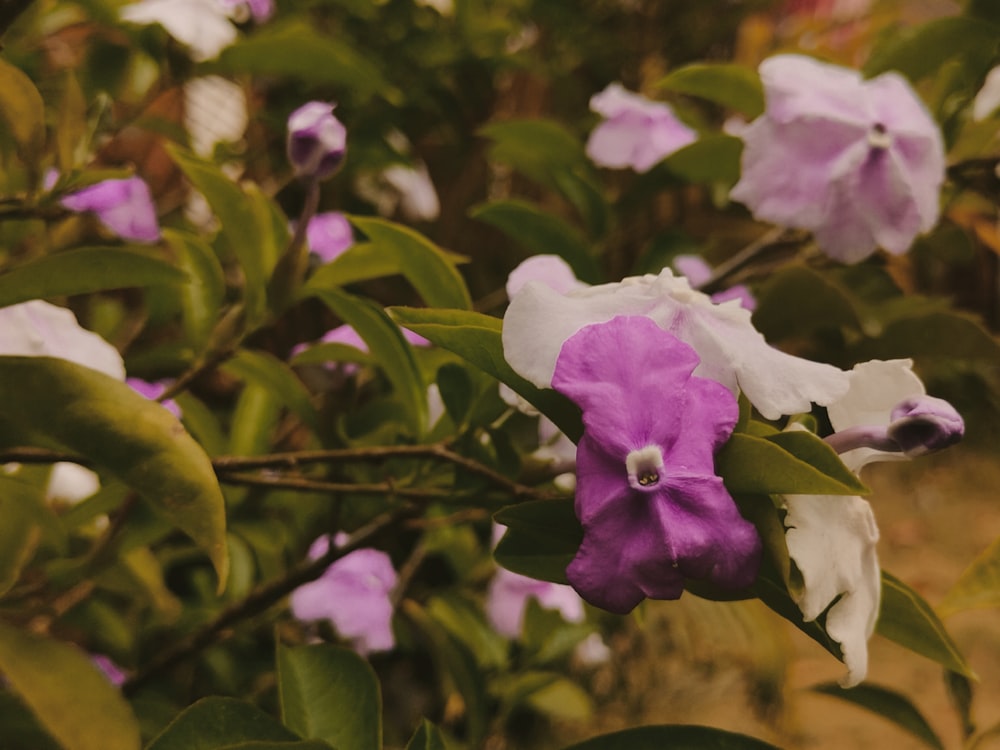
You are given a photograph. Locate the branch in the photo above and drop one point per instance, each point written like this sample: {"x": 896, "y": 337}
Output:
{"x": 10, "y": 10}
{"x": 259, "y": 600}
{"x": 775, "y": 236}
{"x": 304, "y": 484}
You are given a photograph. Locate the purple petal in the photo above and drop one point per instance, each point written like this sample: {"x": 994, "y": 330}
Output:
{"x": 329, "y": 234}
{"x": 123, "y": 206}
{"x": 317, "y": 140}
{"x": 924, "y": 424}
{"x": 152, "y": 391}
{"x": 508, "y": 595}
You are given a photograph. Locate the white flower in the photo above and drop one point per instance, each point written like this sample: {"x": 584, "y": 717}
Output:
{"x": 539, "y": 320}
{"x": 70, "y": 483}
{"x": 987, "y": 101}
{"x": 201, "y": 25}
{"x": 831, "y": 538}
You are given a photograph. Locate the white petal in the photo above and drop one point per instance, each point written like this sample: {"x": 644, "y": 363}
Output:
{"x": 831, "y": 539}
{"x": 71, "y": 483}
{"x": 202, "y": 25}
{"x": 732, "y": 351}
{"x": 40, "y": 329}
{"x": 215, "y": 111}
{"x": 988, "y": 99}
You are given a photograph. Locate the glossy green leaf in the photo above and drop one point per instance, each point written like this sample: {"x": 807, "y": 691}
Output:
{"x": 712, "y": 158}
{"x": 562, "y": 699}
{"x": 732, "y": 86}
{"x": 921, "y": 51}
{"x": 388, "y": 347}
{"x": 540, "y": 233}
{"x": 907, "y": 619}
{"x": 298, "y": 50}
{"x": 240, "y": 228}
{"x": 819, "y": 303}
{"x": 218, "y": 723}
{"x": 542, "y": 538}
{"x": 547, "y": 153}
{"x": 70, "y": 697}
{"x": 978, "y": 586}
{"x": 476, "y": 338}
{"x": 20, "y": 504}
{"x": 22, "y": 110}
{"x": 268, "y": 371}
{"x": 86, "y": 270}
{"x": 396, "y": 249}
{"x": 676, "y": 737}
{"x": 455, "y": 387}
{"x": 888, "y": 704}
{"x": 464, "y": 620}
{"x": 934, "y": 335}
{"x": 427, "y": 737}
{"x": 202, "y": 296}
{"x": 62, "y": 404}
{"x": 330, "y": 693}
{"x": 787, "y": 463}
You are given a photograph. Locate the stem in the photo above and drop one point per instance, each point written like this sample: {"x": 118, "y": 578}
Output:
{"x": 290, "y": 270}
{"x": 302, "y": 484}
{"x": 743, "y": 257}
{"x": 259, "y": 600}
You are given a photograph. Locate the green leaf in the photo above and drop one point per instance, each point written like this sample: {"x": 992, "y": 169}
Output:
{"x": 540, "y": 233}
{"x": 978, "y": 586}
{"x": 888, "y": 704}
{"x": 297, "y": 50}
{"x": 202, "y": 296}
{"x": 240, "y": 225}
{"x": 332, "y": 694}
{"x": 562, "y": 699}
{"x": 818, "y": 301}
{"x": 65, "y": 405}
{"x": 456, "y": 391}
{"x": 542, "y": 538}
{"x": 218, "y": 723}
{"x": 788, "y": 463}
{"x": 86, "y": 270}
{"x": 427, "y": 737}
{"x": 934, "y": 335}
{"x": 476, "y": 338}
{"x": 386, "y": 343}
{"x": 908, "y": 620}
{"x": 547, "y": 153}
{"x": 268, "y": 371}
{"x": 921, "y": 51}
{"x": 730, "y": 85}
{"x": 22, "y": 110}
{"x": 70, "y": 696}
{"x": 712, "y": 158}
{"x": 676, "y": 737}
{"x": 394, "y": 248}
{"x": 464, "y": 621}
{"x": 20, "y": 504}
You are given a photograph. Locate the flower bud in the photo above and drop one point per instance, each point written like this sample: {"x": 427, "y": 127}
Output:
{"x": 924, "y": 424}
{"x": 317, "y": 141}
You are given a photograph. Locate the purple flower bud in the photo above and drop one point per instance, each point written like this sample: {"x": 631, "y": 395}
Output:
{"x": 317, "y": 141}
{"x": 924, "y": 424}
{"x": 116, "y": 676}
{"x": 260, "y": 10}
{"x": 329, "y": 234}
{"x": 123, "y": 206}
{"x": 152, "y": 391}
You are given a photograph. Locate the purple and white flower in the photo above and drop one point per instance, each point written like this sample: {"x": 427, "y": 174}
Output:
{"x": 353, "y": 594}
{"x": 885, "y": 416}
{"x": 539, "y": 320}
{"x": 859, "y": 163}
{"x": 508, "y": 595}
{"x": 636, "y": 133}
{"x": 653, "y": 511}
{"x": 317, "y": 140}
{"x": 124, "y": 206}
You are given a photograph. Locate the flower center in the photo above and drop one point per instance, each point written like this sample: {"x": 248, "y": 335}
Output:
{"x": 644, "y": 466}
{"x": 878, "y": 136}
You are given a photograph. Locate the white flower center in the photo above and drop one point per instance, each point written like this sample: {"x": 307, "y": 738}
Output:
{"x": 878, "y": 136}
{"x": 644, "y": 466}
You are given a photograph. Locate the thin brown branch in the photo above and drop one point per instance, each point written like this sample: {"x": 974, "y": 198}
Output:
{"x": 304, "y": 484}
{"x": 721, "y": 272}
{"x": 259, "y": 600}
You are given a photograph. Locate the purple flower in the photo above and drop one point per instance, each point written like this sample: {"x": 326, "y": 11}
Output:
{"x": 346, "y": 334}
{"x": 508, "y": 595}
{"x": 636, "y": 132}
{"x": 924, "y": 424}
{"x": 123, "y": 206}
{"x": 152, "y": 391}
{"x": 116, "y": 676}
{"x": 353, "y": 594}
{"x": 652, "y": 508}
{"x": 261, "y": 10}
{"x": 858, "y": 162}
{"x": 551, "y": 270}
{"x": 329, "y": 234}
{"x": 317, "y": 140}
{"x": 697, "y": 271}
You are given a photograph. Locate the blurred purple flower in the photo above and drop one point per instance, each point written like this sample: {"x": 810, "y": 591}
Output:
{"x": 697, "y": 271}
{"x": 261, "y": 10}
{"x": 652, "y": 508}
{"x": 124, "y": 206}
{"x": 860, "y": 163}
{"x": 329, "y": 234}
{"x": 317, "y": 140}
{"x": 346, "y": 334}
{"x": 551, "y": 270}
{"x": 353, "y": 594}
{"x": 116, "y": 676}
{"x": 152, "y": 391}
{"x": 636, "y": 131}
{"x": 508, "y": 595}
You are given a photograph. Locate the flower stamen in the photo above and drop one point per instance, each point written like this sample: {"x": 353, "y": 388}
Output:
{"x": 644, "y": 466}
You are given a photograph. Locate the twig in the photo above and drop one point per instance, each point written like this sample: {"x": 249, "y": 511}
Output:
{"x": 304, "y": 484}
{"x": 259, "y": 600}
{"x": 723, "y": 270}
